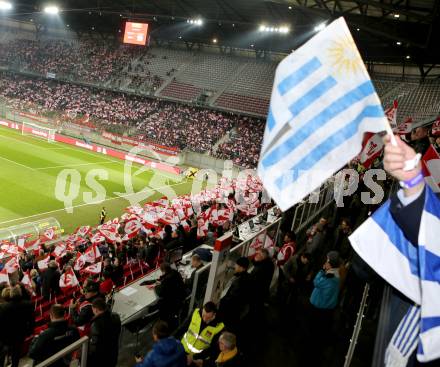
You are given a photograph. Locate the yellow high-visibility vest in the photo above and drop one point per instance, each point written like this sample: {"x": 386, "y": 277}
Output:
{"x": 195, "y": 340}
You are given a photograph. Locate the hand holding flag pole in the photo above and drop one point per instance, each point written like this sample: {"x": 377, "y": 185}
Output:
{"x": 409, "y": 164}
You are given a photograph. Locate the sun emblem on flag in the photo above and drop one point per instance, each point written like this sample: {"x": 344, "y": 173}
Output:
{"x": 344, "y": 56}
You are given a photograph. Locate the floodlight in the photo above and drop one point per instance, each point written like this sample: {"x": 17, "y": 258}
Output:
{"x": 5, "y": 5}
{"x": 320, "y": 27}
{"x": 51, "y": 9}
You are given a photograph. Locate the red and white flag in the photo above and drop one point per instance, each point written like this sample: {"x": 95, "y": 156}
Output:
{"x": 405, "y": 127}
{"x": 49, "y": 234}
{"x": 68, "y": 279}
{"x": 431, "y": 168}
{"x": 12, "y": 265}
{"x": 83, "y": 231}
{"x": 435, "y": 130}
{"x": 4, "y": 277}
{"x": 27, "y": 282}
{"x": 80, "y": 262}
{"x": 91, "y": 254}
{"x": 132, "y": 228}
{"x": 44, "y": 263}
{"x": 32, "y": 245}
{"x": 93, "y": 269}
{"x": 372, "y": 148}
{"x": 109, "y": 226}
{"x": 60, "y": 250}
{"x": 97, "y": 238}
{"x": 13, "y": 250}
{"x": 109, "y": 236}
{"x": 391, "y": 114}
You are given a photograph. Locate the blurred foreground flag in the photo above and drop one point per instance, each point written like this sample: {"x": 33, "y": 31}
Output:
{"x": 414, "y": 270}
{"x": 322, "y": 103}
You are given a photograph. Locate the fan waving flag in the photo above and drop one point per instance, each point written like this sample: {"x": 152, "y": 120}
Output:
{"x": 322, "y": 103}
{"x": 68, "y": 279}
{"x": 413, "y": 269}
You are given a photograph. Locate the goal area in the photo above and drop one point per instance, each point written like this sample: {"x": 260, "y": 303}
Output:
{"x": 38, "y": 131}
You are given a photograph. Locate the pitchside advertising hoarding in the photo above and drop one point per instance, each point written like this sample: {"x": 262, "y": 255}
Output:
{"x": 120, "y": 139}
{"x": 136, "y": 33}
{"x": 96, "y": 148}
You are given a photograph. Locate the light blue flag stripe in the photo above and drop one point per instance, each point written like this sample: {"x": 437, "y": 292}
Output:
{"x": 312, "y": 95}
{"x": 324, "y": 148}
{"x": 270, "y": 119}
{"x": 432, "y": 206}
{"x": 337, "y": 107}
{"x": 287, "y": 84}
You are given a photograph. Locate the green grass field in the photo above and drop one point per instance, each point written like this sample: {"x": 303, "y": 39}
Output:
{"x": 29, "y": 167}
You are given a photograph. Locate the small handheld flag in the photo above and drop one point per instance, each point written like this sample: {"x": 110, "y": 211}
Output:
{"x": 322, "y": 103}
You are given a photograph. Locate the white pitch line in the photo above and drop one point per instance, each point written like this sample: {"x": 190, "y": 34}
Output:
{"x": 65, "y": 146}
{"x": 19, "y": 164}
{"x": 77, "y": 165}
{"x": 80, "y": 205}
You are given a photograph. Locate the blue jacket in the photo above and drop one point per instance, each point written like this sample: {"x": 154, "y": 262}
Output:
{"x": 166, "y": 352}
{"x": 325, "y": 293}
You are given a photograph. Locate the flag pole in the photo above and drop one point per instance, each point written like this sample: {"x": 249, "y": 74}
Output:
{"x": 389, "y": 131}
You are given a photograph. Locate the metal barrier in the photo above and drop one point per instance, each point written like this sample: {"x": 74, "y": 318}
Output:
{"x": 357, "y": 327}
{"x": 82, "y": 343}
{"x": 307, "y": 210}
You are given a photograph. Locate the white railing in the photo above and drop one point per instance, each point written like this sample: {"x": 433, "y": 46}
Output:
{"x": 82, "y": 343}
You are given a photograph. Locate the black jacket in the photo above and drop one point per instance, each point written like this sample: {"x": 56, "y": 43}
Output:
{"x": 58, "y": 336}
{"x": 261, "y": 276}
{"x": 50, "y": 282}
{"x": 17, "y": 321}
{"x": 104, "y": 340}
{"x": 234, "y": 306}
{"x": 171, "y": 293}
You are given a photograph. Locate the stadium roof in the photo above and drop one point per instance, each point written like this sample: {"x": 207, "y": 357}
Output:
{"x": 385, "y": 30}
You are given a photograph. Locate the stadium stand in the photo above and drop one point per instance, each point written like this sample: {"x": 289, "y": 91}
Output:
{"x": 81, "y": 258}
{"x": 181, "y": 91}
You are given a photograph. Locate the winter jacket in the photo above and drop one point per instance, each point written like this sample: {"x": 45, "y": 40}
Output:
{"x": 50, "y": 282}
{"x": 166, "y": 352}
{"x": 17, "y": 321}
{"x": 171, "y": 293}
{"x": 104, "y": 340}
{"x": 234, "y": 306}
{"x": 325, "y": 293}
{"x": 58, "y": 336}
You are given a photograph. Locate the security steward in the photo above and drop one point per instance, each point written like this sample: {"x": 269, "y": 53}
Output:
{"x": 203, "y": 333}
{"x": 103, "y": 215}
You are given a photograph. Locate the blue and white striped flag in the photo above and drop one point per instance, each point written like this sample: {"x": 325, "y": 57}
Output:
{"x": 413, "y": 269}
{"x": 322, "y": 102}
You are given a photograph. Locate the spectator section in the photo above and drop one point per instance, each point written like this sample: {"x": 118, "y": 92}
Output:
{"x": 181, "y": 91}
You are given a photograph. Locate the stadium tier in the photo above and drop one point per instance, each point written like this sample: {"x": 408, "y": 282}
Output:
{"x": 133, "y": 218}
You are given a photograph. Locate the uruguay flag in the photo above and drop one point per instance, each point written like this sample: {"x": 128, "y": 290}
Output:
{"x": 322, "y": 103}
{"x": 413, "y": 269}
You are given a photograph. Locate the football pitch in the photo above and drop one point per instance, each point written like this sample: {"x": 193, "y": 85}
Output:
{"x": 30, "y": 168}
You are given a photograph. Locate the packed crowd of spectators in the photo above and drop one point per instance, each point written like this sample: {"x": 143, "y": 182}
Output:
{"x": 244, "y": 145}
{"x": 53, "y": 281}
{"x": 88, "y": 61}
{"x": 162, "y": 122}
